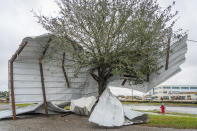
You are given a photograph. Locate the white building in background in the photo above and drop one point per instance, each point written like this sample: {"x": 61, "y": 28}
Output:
{"x": 174, "y": 92}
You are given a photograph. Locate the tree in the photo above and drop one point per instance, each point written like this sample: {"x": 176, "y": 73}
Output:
{"x": 123, "y": 38}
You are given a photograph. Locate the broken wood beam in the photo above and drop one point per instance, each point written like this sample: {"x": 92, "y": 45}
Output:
{"x": 43, "y": 87}
{"x": 42, "y": 76}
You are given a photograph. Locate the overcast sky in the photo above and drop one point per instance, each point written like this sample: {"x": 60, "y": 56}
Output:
{"x": 17, "y": 22}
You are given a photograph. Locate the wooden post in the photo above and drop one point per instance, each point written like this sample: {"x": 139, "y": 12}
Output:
{"x": 12, "y": 91}
{"x": 42, "y": 76}
{"x": 43, "y": 87}
{"x": 11, "y": 81}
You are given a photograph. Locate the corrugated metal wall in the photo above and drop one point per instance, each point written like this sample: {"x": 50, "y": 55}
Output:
{"x": 176, "y": 58}
{"x": 27, "y": 81}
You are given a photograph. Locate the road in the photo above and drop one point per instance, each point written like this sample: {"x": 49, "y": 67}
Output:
{"x": 67, "y": 123}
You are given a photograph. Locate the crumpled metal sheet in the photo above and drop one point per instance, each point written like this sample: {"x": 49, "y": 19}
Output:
{"x": 36, "y": 108}
{"x": 83, "y": 105}
{"x": 19, "y": 111}
{"x": 131, "y": 114}
{"x": 135, "y": 117}
{"x": 109, "y": 112}
{"x": 176, "y": 58}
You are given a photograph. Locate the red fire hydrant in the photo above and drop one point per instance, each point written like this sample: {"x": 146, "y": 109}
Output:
{"x": 162, "y": 109}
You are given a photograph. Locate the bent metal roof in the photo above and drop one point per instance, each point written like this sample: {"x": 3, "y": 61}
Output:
{"x": 27, "y": 83}
{"x": 176, "y": 58}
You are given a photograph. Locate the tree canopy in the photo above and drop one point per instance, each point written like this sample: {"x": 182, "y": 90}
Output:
{"x": 116, "y": 37}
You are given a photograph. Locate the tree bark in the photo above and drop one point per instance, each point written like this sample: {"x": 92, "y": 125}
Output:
{"x": 101, "y": 78}
{"x": 101, "y": 86}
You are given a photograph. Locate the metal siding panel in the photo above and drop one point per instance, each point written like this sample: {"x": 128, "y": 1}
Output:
{"x": 176, "y": 58}
{"x": 27, "y": 76}
{"x": 49, "y": 91}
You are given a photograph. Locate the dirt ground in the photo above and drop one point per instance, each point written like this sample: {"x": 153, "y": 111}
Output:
{"x": 66, "y": 123}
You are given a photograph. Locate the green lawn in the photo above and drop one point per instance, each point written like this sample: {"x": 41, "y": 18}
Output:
{"x": 67, "y": 108}
{"x": 24, "y": 105}
{"x": 172, "y": 122}
{"x": 3, "y": 97}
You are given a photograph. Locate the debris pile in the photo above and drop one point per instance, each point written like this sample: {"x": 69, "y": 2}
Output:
{"x": 108, "y": 112}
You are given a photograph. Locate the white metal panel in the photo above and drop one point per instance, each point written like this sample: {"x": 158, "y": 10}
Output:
{"x": 27, "y": 81}
{"x": 176, "y": 58}
{"x": 37, "y": 84}
{"x": 50, "y": 97}
{"x": 38, "y": 91}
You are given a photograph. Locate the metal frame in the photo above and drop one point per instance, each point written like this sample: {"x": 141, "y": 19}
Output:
{"x": 43, "y": 86}
{"x": 11, "y": 79}
{"x": 42, "y": 77}
{"x": 11, "y": 61}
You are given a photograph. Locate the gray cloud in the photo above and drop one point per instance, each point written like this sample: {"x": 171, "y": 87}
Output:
{"x": 16, "y": 23}
{"x": 187, "y": 21}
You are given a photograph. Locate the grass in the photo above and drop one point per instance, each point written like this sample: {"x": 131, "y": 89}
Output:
{"x": 28, "y": 104}
{"x": 3, "y": 97}
{"x": 24, "y": 105}
{"x": 67, "y": 108}
{"x": 4, "y": 100}
{"x": 3, "y": 103}
{"x": 157, "y": 104}
{"x": 172, "y": 122}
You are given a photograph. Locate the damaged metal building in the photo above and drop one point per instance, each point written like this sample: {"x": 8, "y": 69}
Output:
{"x": 34, "y": 79}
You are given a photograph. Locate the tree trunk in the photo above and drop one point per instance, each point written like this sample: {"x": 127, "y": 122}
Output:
{"x": 101, "y": 86}
{"x": 101, "y": 78}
